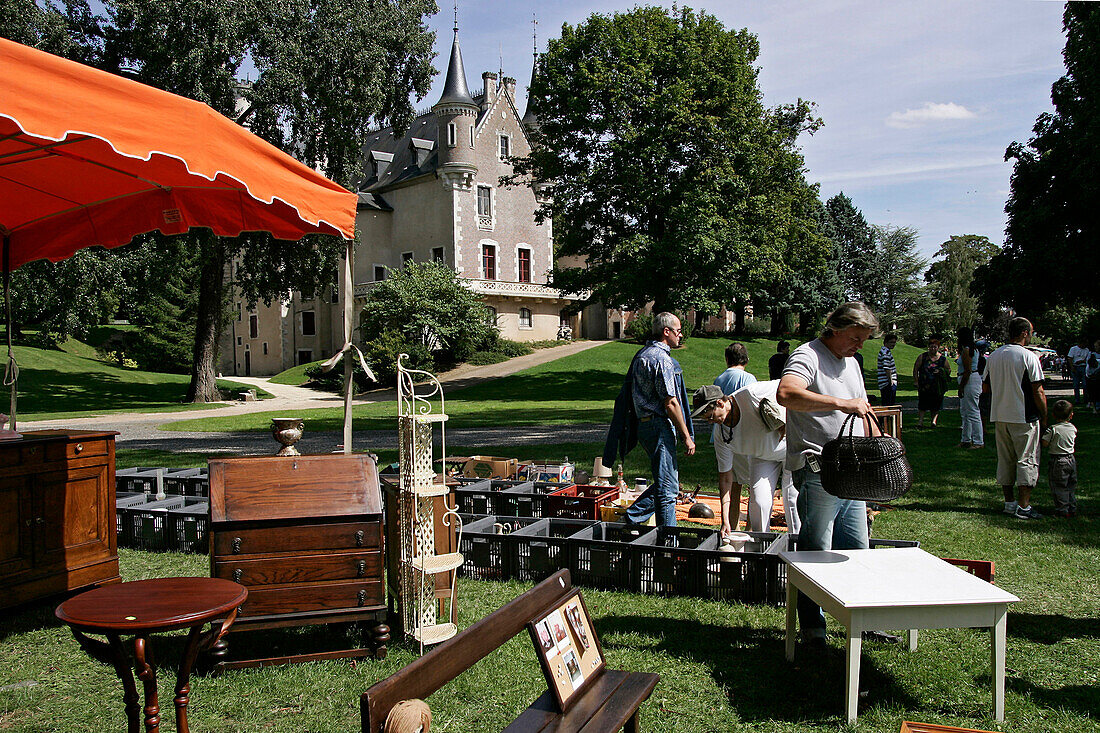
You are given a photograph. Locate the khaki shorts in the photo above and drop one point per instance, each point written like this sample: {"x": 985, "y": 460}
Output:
{"x": 1017, "y": 453}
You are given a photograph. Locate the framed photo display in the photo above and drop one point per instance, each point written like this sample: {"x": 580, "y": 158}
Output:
{"x": 567, "y": 647}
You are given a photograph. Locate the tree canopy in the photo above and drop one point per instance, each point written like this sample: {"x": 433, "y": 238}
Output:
{"x": 952, "y": 274}
{"x": 1051, "y": 209}
{"x": 666, "y": 173}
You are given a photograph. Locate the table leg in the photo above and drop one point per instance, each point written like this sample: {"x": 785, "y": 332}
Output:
{"x": 851, "y": 666}
{"x": 129, "y": 688}
{"x": 792, "y": 616}
{"x": 147, "y": 673}
{"x": 912, "y": 640}
{"x": 183, "y": 678}
{"x": 997, "y": 639}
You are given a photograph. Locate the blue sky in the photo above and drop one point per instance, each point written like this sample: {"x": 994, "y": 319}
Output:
{"x": 919, "y": 99}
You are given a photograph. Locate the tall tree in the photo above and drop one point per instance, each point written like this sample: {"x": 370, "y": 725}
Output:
{"x": 1051, "y": 209}
{"x": 856, "y": 258}
{"x": 899, "y": 296}
{"x": 952, "y": 274}
{"x": 665, "y": 171}
{"x": 328, "y": 69}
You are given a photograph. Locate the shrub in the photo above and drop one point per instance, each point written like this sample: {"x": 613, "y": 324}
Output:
{"x": 382, "y": 353}
{"x": 482, "y": 358}
{"x": 639, "y": 329}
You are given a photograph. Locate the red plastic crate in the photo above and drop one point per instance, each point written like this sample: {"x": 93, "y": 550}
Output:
{"x": 582, "y": 501}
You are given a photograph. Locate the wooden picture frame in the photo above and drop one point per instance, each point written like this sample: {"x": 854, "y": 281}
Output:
{"x": 568, "y": 649}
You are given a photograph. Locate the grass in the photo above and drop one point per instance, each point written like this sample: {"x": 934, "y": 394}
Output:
{"x": 580, "y": 388}
{"x": 721, "y": 664}
{"x": 74, "y": 379}
{"x": 296, "y": 375}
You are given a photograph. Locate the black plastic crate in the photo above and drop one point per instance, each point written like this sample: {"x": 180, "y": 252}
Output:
{"x": 148, "y": 522}
{"x": 754, "y": 574}
{"x": 669, "y": 561}
{"x": 140, "y": 479}
{"x": 530, "y": 499}
{"x": 189, "y": 527}
{"x": 187, "y": 482}
{"x": 124, "y": 500}
{"x": 487, "y": 551}
{"x": 487, "y": 497}
{"x": 600, "y": 556}
{"x": 541, "y": 547}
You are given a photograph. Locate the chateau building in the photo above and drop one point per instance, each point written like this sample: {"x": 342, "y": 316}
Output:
{"x": 433, "y": 193}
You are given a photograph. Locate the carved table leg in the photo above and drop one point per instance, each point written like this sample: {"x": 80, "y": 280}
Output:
{"x": 380, "y": 639}
{"x": 129, "y": 688}
{"x": 147, "y": 673}
{"x": 183, "y": 678}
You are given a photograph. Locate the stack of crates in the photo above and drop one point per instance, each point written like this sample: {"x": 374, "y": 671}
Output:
{"x": 541, "y": 547}
{"x": 188, "y": 527}
{"x": 753, "y": 574}
{"x": 486, "y": 545}
{"x": 180, "y": 521}
{"x": 667, "y": 561}
{"x": 581, "y": 501}
{"x": 601, "y": 556}
{"x": 187, "y": 482}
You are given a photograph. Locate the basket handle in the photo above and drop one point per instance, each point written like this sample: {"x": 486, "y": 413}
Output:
{"x": 850, "y": 422}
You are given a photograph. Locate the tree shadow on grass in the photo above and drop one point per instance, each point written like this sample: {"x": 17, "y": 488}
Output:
{"x": 552, "y": 386}
{"x": 750, "y": 664}
{"x": 1043, "y": 628}
{"x": 1081, "y": 698}
{"x": 49, "y": 390}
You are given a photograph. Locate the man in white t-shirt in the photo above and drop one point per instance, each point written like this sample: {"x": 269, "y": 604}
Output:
{"x": 1014, "y": 378}
{"x": 1078, "y": 357}
{"x": 822, "y": 384}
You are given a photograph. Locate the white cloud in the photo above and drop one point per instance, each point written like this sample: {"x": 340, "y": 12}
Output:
{"x": 907, "y": 170}
{"x": 931, "y": 112}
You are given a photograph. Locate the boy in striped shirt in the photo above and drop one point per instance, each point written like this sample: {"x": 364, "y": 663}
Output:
{"x": 887, "y": 370}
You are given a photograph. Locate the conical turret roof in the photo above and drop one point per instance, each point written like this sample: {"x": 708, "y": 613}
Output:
{"x": 455, "y": 90}
{"x": 529, "y": 119}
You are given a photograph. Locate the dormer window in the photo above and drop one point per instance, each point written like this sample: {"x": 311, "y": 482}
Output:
{"x": 505, "y": 147}
{"x": 380, "y": 162}
{"x": 420, "y": 150}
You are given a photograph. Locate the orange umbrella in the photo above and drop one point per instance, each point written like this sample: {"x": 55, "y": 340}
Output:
{"x": 90, "y": 158}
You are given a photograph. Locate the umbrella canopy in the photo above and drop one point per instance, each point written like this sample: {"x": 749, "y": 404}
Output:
{"x": 90, "y": 158}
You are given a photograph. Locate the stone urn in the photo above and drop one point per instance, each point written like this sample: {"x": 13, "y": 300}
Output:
{"x": 287, "y": 431}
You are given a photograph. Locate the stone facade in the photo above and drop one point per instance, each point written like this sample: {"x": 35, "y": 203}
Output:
{"x": 433, "y": 193}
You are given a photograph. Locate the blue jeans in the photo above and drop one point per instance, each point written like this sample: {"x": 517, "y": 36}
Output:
{"x": 969, "y": 395}
{"x": 889, "y": 394}
{"x": 828, "y": 523}
{"x": 659, "y": 441}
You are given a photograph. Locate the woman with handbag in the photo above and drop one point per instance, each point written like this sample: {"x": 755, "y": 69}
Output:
{"x": 822, "y": 386}
{"x": 931, "y": 374}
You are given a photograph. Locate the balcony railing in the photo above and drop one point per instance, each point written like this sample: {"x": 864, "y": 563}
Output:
{"x": 496, "y": 287}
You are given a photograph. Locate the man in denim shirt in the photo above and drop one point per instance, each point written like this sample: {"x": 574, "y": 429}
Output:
{"x": 660, "y": 403}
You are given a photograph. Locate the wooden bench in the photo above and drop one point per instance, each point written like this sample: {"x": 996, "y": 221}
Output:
{"x": 608, "y": 704}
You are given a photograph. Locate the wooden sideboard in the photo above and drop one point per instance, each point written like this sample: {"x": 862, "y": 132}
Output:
{"x": 304, "y": 535}
{"x": 57, "y": 513}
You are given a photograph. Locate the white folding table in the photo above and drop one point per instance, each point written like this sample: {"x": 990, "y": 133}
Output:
{"x": 896, "y": 588}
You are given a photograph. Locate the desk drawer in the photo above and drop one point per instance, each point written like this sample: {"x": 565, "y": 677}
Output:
{"x": 270, "y": 600}
{"x": 76, "y": 449}
{"x": 299, "y": 538}
{"x": 300, "y": 568}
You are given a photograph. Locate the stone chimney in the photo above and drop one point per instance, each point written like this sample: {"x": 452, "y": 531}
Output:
{"x": 510, "y": 87}
{"x": 490, "y": 79}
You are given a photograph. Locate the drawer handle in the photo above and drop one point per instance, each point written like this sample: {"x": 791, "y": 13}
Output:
{"x": 237, "y": 574}
{"x": 362, "y": 597}
{"x": 359, "y": 538}
{"x": 361, "y": 568}
{"x": 236, "y": 545}
{"x": 79, "y": 448}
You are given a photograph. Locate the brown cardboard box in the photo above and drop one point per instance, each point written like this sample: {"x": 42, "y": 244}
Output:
{"x": 490, "y": 467}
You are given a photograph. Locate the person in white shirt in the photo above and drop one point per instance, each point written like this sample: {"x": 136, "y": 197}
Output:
{"x": 1014, "y": 378}
{"x": 1078, "y": 357}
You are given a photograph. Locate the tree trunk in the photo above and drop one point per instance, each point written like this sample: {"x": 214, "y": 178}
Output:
{"x": 739, "y": 318}
{"x": 805, "y": 322}
{"x": 779, "y": 322}
{"x": 203, "y": 387}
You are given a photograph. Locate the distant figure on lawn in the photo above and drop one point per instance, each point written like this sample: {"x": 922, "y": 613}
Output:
{"x": 888, "y": 370}
{"x": 970, "y": 391}
{"x": 931, "y": 373}
{"x": 1060, "y": 439}
{"x": 821, "y": 385}
{"x": 651, "y": 409}
{"x": 779, "y": 359}
{"x": 1092, "y": 377}
{"x": 1019, "y": 408}
{"x": 1078, "y": 358}
{"x": 733, "y": 469}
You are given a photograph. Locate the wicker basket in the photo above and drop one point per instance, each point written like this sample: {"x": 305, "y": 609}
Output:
{"x": 871, "y": 468}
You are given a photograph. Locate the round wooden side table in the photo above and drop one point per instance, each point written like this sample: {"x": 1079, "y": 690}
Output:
{"x": 147, "y": 607}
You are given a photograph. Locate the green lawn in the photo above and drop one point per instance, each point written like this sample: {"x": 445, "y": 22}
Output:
{"x": 70, "y": 383}
{"x": 580, "y": 388}
{"x": 721, "y": 664}
{"x": 296, "y": 375}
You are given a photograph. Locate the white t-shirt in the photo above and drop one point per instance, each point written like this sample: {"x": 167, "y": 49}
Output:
{"x": 1010, "y": 370}
{"x": 751, "y": 436}
{"x": 826, "y": 374}
{"x": 1077, "y": 354}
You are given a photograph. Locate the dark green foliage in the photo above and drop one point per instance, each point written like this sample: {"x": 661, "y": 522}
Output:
{"x": 502, "y": 350}
{"x": 333, "y": 380}
{"x": 427, "y": 304}
{"x": 856, "y": 261}
{"x": 67, "y": 298}
{"x": 163, "y": 273}
{"x": 952, "y": 275}
{"x": 667, "y": 173}
{"x": 382, "y": 352}
{"x": 639, "y": 329}
{"x": 1051, "y": 209}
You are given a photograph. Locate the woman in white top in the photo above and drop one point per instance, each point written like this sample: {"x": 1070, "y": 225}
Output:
{"x": 970, "y": 391}
{"x": 763, "y": 448}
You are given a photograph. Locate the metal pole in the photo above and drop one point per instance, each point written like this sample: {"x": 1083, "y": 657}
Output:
{"x": 11, "y": 373}
{"x": 346, "y": 289}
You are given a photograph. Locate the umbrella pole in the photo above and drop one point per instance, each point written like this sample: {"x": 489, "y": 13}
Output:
{"x": 11, "y": 373}
{"x": 348, "y": 298}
